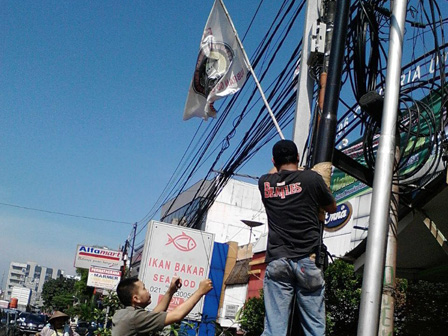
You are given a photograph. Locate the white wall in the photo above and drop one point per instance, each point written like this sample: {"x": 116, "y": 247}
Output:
{"x": 344, "y": 240}
{"x": 238, "y": 200}
{"x": 234, "y": 295}
{"x": 22, "y": 294}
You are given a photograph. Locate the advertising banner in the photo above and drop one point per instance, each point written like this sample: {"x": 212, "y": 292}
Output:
{"x": 103, "y": 278}
{"x": 172, "y": 250}
{"x": 336, "y": 221}
{"x": 88, "y": 256}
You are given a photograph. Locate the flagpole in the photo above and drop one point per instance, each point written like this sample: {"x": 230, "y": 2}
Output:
{"x": 253, "y": 72}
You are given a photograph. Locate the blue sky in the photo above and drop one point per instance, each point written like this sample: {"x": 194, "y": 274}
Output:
{"x": 92, "y": 96}
{"x": 91, "y": 102}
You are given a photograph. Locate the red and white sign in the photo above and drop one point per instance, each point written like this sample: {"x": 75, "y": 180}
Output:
{"x": 88, "y": 256}
{"x": 103, "y": 278}
{"x": 172, "y": 250}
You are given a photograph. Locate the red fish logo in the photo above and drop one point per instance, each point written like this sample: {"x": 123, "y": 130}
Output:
{"x": 182, "y": 242}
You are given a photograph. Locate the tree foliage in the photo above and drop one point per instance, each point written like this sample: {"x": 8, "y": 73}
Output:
{"x": 252, "y": 316}
{"x": 421, "y": 307}
{"x": 343, "y": 295}
{"x": 85, "y": 298}
{"x": 110, "y": 304}
{"x": 83, "y": 292}
{"x": 424, "y": 310}
{"x": 57, "y": 294}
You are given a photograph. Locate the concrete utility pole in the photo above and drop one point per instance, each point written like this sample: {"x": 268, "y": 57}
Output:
{"x": 305, "y": 83}
{"x": 386, "y": 323}
{"x": 379, "y": 219}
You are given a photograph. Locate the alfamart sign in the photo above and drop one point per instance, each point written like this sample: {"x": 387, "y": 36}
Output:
{"x": 172, "y": 250}
{"x": 88, "y": 256}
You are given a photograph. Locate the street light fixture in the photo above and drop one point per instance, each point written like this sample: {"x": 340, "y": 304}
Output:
{"x": 251, "y": 224}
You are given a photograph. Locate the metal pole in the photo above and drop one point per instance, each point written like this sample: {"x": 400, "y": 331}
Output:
{"x": 327, "y": 125}
{"x": 376, "y": 241}
{"x": 132, "y": 248}
{"x": 305, "y": 83}
{"x": 253, "y": 72}
{"x": 107, "y": 316}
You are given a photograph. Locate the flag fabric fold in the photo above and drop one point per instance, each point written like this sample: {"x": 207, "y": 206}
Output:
{"x": 220, "y": 69}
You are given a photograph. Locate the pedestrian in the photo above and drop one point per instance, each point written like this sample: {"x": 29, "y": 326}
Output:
{"x": 58, "y": 326}
{"x": 135, "y": 320}
{"x": 292, "y": 199}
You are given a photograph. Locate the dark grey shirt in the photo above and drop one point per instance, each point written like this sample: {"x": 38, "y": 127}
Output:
{"x": 132, "y": 321}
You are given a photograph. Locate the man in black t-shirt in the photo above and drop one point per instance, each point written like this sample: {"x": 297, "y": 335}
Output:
{"x": 292, "y": 199}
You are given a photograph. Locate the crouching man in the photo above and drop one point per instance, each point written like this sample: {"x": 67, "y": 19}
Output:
{"x": 135, "y": 320}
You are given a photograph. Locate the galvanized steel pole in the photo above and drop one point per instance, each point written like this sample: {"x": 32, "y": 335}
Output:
{"x": 382, "y": 183}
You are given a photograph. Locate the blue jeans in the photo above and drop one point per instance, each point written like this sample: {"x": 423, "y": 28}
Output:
{"x": 284, "y": 278}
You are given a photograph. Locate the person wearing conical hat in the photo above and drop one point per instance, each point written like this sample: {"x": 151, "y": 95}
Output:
{"x": 58, "y": 326}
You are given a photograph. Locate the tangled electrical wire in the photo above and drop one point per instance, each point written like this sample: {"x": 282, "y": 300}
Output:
{"x": 422, "y": 101}
{"x": 204, "y": 145}
{"x": 422, "y": 107}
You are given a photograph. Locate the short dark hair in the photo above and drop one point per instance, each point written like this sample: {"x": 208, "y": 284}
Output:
{"x": 284, "y": 151}
{"x": 125, "y": 290}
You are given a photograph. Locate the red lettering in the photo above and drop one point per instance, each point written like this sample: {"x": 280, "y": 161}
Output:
{"x": 268, "y": 191}
{"x": 189, "y": 283}
{"x": 293, "y": 188}
{"x": 154, "y": 262}
{"x": 281, "y": 191}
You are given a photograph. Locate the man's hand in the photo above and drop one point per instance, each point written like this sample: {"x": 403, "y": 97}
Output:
{"x": 182, "y": 310}
{"x": 205, "y": 286}
{"x": 176, "y": 283}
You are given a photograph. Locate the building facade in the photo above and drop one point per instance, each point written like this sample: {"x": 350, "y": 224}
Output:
{"x": 32, "y": 276}
{"x": 238, "y": 201}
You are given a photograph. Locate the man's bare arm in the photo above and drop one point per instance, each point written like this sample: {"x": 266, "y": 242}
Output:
{"x": 183, "y": 309}
{"x": 175, "y": 284}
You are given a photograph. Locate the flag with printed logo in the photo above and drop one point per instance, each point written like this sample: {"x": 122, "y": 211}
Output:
{"x": 221, "y": 68}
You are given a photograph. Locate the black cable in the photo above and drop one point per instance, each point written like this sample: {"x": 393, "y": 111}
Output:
{"x": 363, "y": 71}
{"x": 64, "y": 214}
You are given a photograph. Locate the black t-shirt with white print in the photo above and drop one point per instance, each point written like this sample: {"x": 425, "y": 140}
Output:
{"x": 292, "y": 200}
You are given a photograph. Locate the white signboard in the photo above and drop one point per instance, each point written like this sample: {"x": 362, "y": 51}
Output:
{"x": 103, "y": 278}
{"x": 172, "y": 250}
{"x": 22, "y": 294}
{"x": 88, "y": 256}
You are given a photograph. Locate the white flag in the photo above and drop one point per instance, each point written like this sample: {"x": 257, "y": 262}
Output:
{"x": 220, "y": 69}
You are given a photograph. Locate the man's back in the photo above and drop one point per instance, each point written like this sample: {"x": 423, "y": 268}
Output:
{"x": 292, "y": 200}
